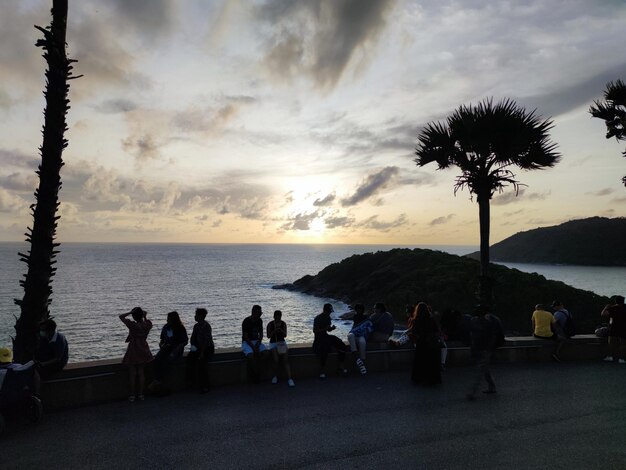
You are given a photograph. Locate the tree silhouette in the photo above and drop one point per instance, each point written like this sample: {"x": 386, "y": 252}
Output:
{"x": 613, "y": 112}
{"x": 40, "y": 258}
{"x": 484, "y": 141}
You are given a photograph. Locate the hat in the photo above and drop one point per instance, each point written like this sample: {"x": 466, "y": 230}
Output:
{"x": 6, "y": 355}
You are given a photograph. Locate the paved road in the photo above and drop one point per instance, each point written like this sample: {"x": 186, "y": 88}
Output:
{"x": 570, "y": 416}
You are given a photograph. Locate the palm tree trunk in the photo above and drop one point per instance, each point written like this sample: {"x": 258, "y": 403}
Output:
{"x": 40, "y": 259}
{"x": 484, "y": 219}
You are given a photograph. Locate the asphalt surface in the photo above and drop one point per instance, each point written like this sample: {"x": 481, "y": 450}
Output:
{"x": 570, "y": 416}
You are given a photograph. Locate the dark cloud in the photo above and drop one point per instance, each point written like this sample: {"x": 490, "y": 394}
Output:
{"x": 19, "y": 181}
{"x": 115, "y": 106}
{"x": 211, "y": 119}
{"x": 338, "y": 221}
{"x": 319, "y": 38}
{"x": 373, "y": 223}
{"x": 301, "y": 221}
{"x": 517, "y": 212}
{"x": 564, "y": 98}
{"x": 511, "y": 197}
{"x": 150, "y": 18}
{"x": 619, "y": 200}
{"x": 602, "y": 192}
{"x": 371, "y": 185}
{"x": 143, "y": 147}
{"x": 18, "y": 159}
{"x": 325, "y": 201}
{"x": 442, "y": 220}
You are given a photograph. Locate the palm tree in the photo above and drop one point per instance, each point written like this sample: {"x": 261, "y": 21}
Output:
{"x": 40, "y": 259}
{"x": 613, "y": 112}
{"x": 484, "y": 141}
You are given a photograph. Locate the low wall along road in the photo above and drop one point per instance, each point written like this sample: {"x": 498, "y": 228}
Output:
{"x": 86, "y": 383}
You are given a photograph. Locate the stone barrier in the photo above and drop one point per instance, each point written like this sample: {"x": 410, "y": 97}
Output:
{"x": 92, "y": 382}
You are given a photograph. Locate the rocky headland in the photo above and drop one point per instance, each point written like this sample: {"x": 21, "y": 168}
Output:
{"x": 404, "y": 276}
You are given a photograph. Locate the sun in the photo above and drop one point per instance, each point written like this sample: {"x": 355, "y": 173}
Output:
{"x": 317, "y": 226}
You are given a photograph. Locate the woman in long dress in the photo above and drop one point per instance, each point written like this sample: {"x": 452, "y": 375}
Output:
{"x": 427, "y": 359}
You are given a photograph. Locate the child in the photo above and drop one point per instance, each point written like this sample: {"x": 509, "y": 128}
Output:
{"x": 277, "y": 332}
{"x": 138, "y": 352}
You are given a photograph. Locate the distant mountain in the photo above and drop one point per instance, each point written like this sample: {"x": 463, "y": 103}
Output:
{"x": 597, "y": 241}
{"x": 402, "y": 276}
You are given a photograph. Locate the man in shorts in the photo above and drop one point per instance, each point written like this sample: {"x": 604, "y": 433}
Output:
{"x": 252, "y": 342}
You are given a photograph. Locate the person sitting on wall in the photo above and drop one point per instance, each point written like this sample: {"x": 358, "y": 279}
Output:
{"x": 361, "y": 329}
{"x": 277, "y": 332}
{"x": 383, "y": 324}
{"x": 200, "y": 353}
{"x": 325, "y": 343}
{"x": 52, "y": 352}
{"x": 252, "y": 342}
{"x": 542, "y": 323}
{"x": 563, "y": 324}
{"x": 171, "y": 347}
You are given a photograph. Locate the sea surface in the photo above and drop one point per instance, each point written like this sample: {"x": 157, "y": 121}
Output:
{"x": 96, "y": 282}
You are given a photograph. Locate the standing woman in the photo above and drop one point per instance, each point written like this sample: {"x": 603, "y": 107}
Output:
{"x": 138, "y": 352}
{"x": 277, "y": 332}
{"x": 427, "y": 360}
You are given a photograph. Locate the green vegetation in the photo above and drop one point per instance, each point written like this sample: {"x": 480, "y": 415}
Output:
{"x": 613, "y": 112}
{"x": 597, "y": 241}
{"x": 484, "y": 141}
{"x": 402, "y": 276}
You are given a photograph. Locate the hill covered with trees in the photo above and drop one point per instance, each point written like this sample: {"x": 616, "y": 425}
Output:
{"x": 403, "y": 276}
{"x": 597, "y": 241}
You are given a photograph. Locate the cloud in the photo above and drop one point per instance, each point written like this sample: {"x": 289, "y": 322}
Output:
{"x": 338, "y": 221}
{"x": 373, "y": 223}
{"x": 511, "y": 197}
{"x": 442, "y": 220}
{"x": 565, "y": 98}
{"x": 115, "y": 106}
{"x": 619, "y": 199}
{"x": 13, "y": 158}
{"x": 301, "y": 221}
{"x": 371, "y": 185}
{"x": 602, "y": 192}
{"x": 152, "y": 19}
{"x": 98, "y": 190}
{"x": 320, "y": 38}
{"x": 11, "y": 203}
{"x": 19, "y": 181}
{"x": 325, "y": 201}
{"x": 143, "y": 147}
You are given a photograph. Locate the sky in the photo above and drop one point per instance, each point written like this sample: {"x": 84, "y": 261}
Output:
{"x": 296, "y": 121}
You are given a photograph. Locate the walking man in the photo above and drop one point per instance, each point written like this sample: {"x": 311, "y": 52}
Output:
{"x": 487, "y": 335}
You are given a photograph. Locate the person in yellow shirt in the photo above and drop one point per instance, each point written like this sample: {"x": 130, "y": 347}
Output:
{"x": 542, "y": 322}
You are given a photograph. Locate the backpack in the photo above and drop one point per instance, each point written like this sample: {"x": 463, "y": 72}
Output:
{"x": 569, "y": 328}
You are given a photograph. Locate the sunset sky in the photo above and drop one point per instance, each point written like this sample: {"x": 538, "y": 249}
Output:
{"x": 295, "y": 121}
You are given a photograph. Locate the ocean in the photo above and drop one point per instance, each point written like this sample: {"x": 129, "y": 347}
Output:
{"x": 95, "y": 282}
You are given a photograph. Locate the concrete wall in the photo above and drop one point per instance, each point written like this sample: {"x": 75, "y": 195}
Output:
{"x": 99, "y": 381}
